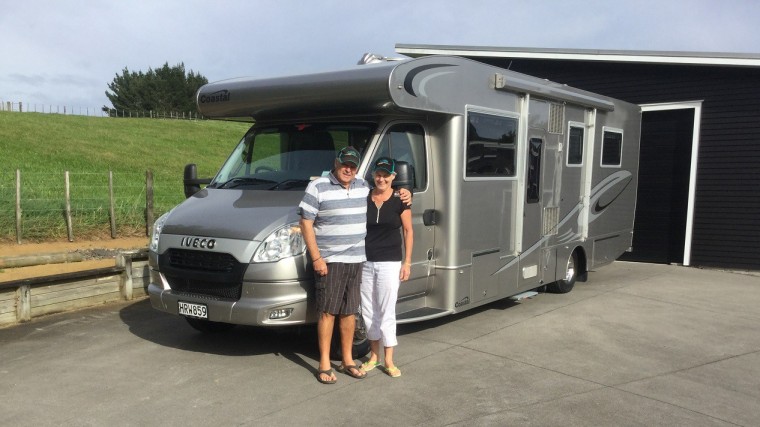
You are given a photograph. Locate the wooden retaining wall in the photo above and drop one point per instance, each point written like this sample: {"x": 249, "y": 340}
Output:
{"x": 23, "y": 300}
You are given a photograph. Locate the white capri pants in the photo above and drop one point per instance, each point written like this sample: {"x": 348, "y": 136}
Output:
{"x": 379, "y": 287}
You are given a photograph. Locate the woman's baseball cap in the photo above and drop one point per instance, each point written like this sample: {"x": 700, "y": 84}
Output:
{"x": 385, "y": 164}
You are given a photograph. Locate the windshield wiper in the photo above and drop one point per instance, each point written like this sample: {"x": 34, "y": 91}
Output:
{"x": 244, "y": 180}
{"x": 290, "y": 183}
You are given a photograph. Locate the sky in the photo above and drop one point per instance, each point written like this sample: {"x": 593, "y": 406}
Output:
{"x": 65, "y": 53}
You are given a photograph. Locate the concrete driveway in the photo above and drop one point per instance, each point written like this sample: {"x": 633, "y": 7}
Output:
{"x": 638, "y": 344}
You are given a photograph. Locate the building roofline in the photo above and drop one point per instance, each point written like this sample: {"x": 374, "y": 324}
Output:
{"x": 623, "y": 56}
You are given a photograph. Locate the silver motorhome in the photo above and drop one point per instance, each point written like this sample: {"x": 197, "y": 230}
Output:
{"x": 518, "y": 183}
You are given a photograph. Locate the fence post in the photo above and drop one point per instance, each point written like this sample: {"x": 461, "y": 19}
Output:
{"x": 148, "y": 202}
{"x": 124, "y": 259}
{"x": 111, "y": 209}
{"x": 18, "y": 206}
{"x": 69, "y": 228}
{"x": 23, "y": 303}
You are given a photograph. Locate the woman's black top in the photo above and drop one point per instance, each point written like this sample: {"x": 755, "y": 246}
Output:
{"x": 383, "y": 242}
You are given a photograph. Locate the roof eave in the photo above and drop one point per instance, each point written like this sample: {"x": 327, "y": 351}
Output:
{"x": 618, "y": 56}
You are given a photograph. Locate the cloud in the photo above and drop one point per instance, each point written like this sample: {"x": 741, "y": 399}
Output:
{"x": 26, "y": 79}
{"x": 60, "y": 50}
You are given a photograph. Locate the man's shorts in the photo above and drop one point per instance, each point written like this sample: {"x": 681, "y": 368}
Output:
{"x": 339, "y": 292}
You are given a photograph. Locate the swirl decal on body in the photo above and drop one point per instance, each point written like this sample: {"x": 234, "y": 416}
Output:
{"x": 607, "y": 191}
{"x": 602, "y": 196}
{"x": 409, "y": 79}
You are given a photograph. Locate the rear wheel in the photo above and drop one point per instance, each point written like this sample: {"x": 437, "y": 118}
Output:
{"x": 566, "y": 285}
{"x": 207, "y": 326}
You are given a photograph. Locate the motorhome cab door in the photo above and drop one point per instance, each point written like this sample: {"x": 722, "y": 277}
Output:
{"x": 406, "y": 142}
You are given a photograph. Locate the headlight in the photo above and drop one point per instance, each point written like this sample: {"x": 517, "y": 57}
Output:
{"x": 284, "y": 242}
{"x": 157, "y": 226}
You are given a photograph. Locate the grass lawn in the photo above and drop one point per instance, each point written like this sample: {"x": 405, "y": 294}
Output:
{"x": 44, "y": 146}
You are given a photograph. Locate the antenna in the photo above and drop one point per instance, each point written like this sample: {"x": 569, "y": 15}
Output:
{"x": 374, "y": 58}
{"x": 370, "y": 58}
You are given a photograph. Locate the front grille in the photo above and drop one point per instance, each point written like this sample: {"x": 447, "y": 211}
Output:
{"x": 201, "y": 260}
{"x": 203, "y": 273}
{"x": 201, "y": 288}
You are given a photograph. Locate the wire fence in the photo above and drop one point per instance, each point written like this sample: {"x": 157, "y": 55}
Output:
{"x": 51, "y": 206}
{"x": 21, "y": 107}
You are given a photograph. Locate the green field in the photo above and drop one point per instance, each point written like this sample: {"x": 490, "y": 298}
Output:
{"x": 44, "y": 146}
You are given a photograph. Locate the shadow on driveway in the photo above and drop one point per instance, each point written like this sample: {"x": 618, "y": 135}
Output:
{"x": 174, "y": 332}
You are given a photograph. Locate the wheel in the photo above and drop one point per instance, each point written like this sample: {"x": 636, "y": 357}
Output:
{"x": 207, "y": 326}
{"x": 361, "y": 343}
{"x": 566, "y": 285}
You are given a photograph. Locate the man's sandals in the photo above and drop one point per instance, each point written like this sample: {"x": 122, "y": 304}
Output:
{"x": 350, "y": 369}
{"x": 329, "y": 373}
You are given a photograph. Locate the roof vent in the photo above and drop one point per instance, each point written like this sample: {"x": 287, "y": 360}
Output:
{"x": 556, "y": 118}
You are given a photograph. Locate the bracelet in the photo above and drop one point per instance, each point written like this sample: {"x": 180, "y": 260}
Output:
{"x": 315, "y": 260}
{"x": 408, "y": 264}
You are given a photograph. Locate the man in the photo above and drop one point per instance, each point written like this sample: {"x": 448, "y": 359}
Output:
{"x": 334, "y": 223}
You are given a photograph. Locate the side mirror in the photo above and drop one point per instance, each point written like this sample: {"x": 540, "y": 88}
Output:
{"x": 404, "y": 176}
{"x": 191, "y": 182}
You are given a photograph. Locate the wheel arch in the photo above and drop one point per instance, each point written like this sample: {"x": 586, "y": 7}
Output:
{"x": 582, "y": 263}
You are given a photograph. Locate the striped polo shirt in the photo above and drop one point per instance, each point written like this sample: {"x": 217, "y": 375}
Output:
{"x": 340, "y": 217}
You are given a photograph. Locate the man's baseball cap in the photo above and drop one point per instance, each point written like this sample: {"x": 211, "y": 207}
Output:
{"x": 385, "y": 164}
{"x": 349, "y": 155}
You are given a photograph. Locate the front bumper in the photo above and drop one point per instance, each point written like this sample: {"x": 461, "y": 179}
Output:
{"x": 257, "y": 301}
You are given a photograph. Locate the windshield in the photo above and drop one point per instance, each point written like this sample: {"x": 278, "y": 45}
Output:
{"x": 287, "y": 157}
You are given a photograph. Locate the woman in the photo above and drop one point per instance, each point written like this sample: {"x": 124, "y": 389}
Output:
{"x": 384, "y": 270}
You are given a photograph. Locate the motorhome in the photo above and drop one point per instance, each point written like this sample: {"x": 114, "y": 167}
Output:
{"x": 518, "y": 182}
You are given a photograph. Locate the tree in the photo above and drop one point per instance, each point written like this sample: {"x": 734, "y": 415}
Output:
{"x": 164, "y": 89}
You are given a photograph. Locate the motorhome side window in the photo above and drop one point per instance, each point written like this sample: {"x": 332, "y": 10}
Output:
{"x": 405, "y": 142}
{"x": 490, "y": 145}
{"x": 533, "y": 183}
{"x": 575, "y": 146}
{"x": 612, "y": 148}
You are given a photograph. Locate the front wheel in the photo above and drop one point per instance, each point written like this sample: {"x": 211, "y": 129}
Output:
{"x": 566, "y": 285}
{"x": 207, "y": 326}
{"x": 360, "y": 347}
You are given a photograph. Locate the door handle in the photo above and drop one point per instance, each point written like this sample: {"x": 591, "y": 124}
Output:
{"x": 430, "y": 217}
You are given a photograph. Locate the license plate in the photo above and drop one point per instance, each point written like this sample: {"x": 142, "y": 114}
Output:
{"x": 193, "y": 310}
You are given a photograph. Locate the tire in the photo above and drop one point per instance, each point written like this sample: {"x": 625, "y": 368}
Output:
{"x": 207, "y": 326}
{"x": 361, "y": 343}
{"x": 566, "y": 285}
